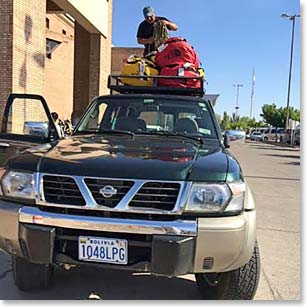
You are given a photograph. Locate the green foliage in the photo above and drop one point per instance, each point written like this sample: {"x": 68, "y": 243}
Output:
{"x": 273, "y": 116}
{"x": 277, "y": 117}
{"x": 240, "y": 123}
{"x": 225, "y": 123}
{"x": 219, "y": 118}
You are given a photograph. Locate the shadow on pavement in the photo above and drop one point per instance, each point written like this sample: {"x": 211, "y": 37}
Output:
{"x": 271, "y": 178}
{"x": 283, "y": 156}
{"x": 272, "y": 146}
{"x": 81, "y": 283}
{"x": 278, "y": 148}
{"x": 292, "y": 163}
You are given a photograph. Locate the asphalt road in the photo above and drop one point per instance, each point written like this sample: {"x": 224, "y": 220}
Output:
{"x": 274, "y": 176}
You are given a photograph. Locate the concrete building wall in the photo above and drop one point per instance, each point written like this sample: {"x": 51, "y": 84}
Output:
{"x": 96, "y": 11}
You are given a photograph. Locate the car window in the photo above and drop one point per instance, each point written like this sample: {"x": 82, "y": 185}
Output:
{"x": 149, "y": 115}
{"x": 27, "y": 117}
{"x": 158, "y": 121}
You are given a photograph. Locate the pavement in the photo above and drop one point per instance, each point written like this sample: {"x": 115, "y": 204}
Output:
{"x": 273, "y": 174}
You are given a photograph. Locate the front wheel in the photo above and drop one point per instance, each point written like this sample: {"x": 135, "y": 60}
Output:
{"x": 30, "y": 276}
{"x": 239, "y": 284}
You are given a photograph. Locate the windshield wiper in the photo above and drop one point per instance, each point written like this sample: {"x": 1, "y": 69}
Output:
{"x": 175, "y": 134}
{"x": 109, "y": 131}
{"x": 120, "y": 132}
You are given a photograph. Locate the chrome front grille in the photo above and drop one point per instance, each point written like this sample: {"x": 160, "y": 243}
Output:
{"x": 95, "y": 185}
{"x": 62, "y": 190}
{"x": 132, "y": 196}
{"x": 156, "y": 195}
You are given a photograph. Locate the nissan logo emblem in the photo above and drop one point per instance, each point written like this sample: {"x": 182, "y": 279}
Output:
{"x": 108, "y": 191}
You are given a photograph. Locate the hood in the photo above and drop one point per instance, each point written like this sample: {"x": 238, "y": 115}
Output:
{"x": 143, "y": 157}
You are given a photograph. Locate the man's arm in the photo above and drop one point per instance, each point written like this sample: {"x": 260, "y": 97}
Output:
{"x": 145, "y": 41}
{"x": 170, "y": 25}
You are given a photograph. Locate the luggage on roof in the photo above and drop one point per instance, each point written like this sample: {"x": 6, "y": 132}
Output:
{"x": 138, "y": 66}
{"x": 186, "y": 70}
{"x": 174, "y": 51}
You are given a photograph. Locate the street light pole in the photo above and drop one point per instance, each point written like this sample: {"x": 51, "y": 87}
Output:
{"x": 291, "y": 17}
{"x": 237, "y": 105}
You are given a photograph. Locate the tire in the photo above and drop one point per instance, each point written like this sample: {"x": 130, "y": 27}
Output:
{"x": 239, "y": 284}
{"x": 265, "y": 139}
{"x": 30, "y": 276}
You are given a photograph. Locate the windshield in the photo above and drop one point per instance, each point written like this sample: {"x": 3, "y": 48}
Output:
{"x": 154, "y": 116}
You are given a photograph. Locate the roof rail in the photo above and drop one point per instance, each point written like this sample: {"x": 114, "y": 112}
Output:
{"x": 115, "y": 84}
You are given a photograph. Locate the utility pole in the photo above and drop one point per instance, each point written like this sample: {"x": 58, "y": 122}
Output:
{"x": 292, "y": 18}
{"x": 252, "y": 95}
{"x": 237, "y": 105}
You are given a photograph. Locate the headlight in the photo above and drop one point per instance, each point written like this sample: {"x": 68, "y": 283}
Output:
{"x": 16, "y": 184}
{"x": 216, "y": 198}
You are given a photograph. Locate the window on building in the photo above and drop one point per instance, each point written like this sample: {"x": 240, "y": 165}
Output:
{"x": 64, "y": 32}
{"x": 51, "y": 45}
{"x": 47, "y": 23}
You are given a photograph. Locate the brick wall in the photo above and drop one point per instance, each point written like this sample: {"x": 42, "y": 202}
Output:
{"x": 22, "y": 55}
{"x": 106, "y": 54}
{"x": 81, "y": 70}
{"x": 25, "y": 69}
{"x": 29, "y": 46}
{"x": 6, "y": 51}
{"x": 92, "y": 65}
{"x": 28, "y": 57}
{"x": 59, "y": 69}
{"x": 119, "y": 54}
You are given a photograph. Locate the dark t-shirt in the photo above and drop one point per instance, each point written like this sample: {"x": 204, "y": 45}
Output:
{"x": 145, "y": 30}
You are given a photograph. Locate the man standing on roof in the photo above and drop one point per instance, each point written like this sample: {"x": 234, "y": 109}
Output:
{"x": 146, "y": 35}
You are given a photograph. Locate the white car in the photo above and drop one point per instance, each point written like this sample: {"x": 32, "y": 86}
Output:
{"x": 256, "y": 136}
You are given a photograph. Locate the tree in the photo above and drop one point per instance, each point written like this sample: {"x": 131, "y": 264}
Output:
{"x": 277, "y": 117}
{"x": 219, "y": 118}
{"x": 225, "y": 123}
{"x": 243, "y": 123}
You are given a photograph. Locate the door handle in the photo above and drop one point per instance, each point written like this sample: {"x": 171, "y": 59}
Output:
{"x": 4, "y": 144}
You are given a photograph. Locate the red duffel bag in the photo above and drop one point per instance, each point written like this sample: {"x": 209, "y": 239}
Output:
{"x": 174, "y": 51}
{"x": 180, "y": 71}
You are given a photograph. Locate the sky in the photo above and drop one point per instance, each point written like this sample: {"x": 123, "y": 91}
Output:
{"x": 230, "y": 37}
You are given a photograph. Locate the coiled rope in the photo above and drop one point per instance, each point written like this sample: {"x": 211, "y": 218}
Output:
{"x": 160, "y": 33}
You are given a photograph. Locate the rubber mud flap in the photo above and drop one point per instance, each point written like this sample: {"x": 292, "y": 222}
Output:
{"x": 37, "y": 243}
{"x": 172, "y": 255}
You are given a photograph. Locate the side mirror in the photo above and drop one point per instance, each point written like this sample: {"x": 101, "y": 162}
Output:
{"x": 40, "y": 129}
{"x": 226, "y": 141}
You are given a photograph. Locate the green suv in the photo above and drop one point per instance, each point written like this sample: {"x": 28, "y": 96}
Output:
{"x": 145, "y": 183}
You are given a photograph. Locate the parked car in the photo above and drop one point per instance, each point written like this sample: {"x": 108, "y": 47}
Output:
{"x": 273, "y": 134}
{"x": 115, "y": 195}
{"x": 297, "y": 136}
{"x": 256, "y": 136}
{"x": 236, "y": 134}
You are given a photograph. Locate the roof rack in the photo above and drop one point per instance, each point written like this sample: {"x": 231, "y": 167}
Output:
{"x": 115, "y": 84}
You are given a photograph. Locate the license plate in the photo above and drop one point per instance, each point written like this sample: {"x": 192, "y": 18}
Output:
{"x": 103, "y": 250}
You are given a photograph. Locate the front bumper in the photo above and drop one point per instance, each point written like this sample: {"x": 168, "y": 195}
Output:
{"x": 168, "y": 248}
